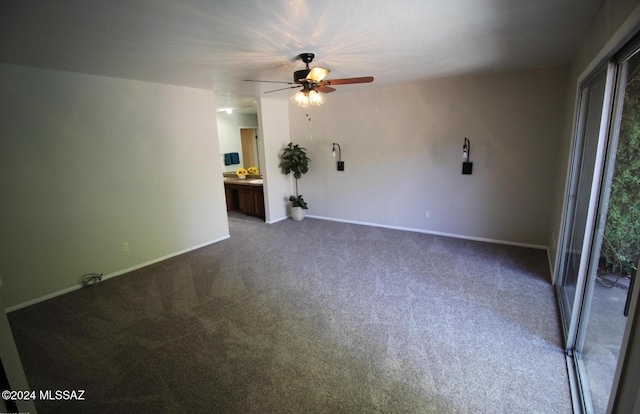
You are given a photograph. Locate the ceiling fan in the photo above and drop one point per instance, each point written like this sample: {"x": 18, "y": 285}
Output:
{"x": 312, "y": 81}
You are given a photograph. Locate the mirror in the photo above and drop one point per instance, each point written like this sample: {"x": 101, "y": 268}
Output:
{"x": 238, "y": 134}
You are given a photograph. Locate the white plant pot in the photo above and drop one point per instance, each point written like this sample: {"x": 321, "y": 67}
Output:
{"x": 297, "y": 213}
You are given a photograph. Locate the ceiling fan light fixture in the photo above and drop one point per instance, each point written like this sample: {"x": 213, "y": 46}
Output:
{"x": 304, "y": 98}
{"x": 315, "y": 98}
{"x": 301, "y": 98}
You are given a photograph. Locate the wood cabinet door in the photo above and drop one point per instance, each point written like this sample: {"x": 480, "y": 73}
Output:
{"x": 246, "y": 201}
{"x": 258, "y": 203}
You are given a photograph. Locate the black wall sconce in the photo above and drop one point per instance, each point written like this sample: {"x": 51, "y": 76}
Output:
{"x": 340, "y": 162}
{"x": 467, "y": 165}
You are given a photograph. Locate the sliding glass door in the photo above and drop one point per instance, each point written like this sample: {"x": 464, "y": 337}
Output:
{"x": 617, "y": 242}
{"x": 601, "y": 241}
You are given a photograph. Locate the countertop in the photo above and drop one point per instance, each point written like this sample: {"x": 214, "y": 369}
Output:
{"x": 256, "y": 182}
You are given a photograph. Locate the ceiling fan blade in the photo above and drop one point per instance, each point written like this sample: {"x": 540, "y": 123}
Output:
{"x": 346, "y": 81}
{"x": 282, "y": 89}
{"x": 324, "y": 88}
{"x": 317, "y": 74}
{"x": 253, "y": 80}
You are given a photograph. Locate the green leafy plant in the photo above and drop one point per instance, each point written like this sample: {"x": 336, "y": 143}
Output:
{"x": 298, "y": 201}
{"x": 294, "y": 160}
{"x": 621, "y": 249}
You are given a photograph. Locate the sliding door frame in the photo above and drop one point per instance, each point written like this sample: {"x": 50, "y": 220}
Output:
{"x": 575, "y": 326}
{"x": 570, "y": 322}
{"x": 624, "y": 391}
{"x": 582, "y": 300}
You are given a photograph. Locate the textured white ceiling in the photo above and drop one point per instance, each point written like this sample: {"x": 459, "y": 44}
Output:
{"x": 216, "y": 44}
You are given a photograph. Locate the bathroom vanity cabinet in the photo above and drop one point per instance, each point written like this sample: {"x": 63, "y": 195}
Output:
{"x": 245, "y": 195}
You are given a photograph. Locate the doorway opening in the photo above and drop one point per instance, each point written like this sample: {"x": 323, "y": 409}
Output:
{"x": 243, "y": 176}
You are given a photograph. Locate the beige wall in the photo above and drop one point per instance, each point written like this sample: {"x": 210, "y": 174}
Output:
{"x": 88, "y": 162}
{"x": 273, "y": 136}
{"x": 402, "y": 148}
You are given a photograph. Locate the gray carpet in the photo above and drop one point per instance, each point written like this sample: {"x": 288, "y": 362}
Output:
{"x": 308, "y": 317}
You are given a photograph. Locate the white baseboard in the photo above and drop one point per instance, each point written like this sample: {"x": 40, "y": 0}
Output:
{"x": 277, "y": 220}
{"x": 436, "y": 233}
{"x": 110, "y": 275}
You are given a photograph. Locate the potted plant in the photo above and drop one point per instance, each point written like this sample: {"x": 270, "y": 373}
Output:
{"x": 294, "y": 160}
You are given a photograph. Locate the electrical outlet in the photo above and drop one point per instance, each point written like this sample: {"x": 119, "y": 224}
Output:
{"x": 427, "y": 214}
{"x": 125, "y": 246}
